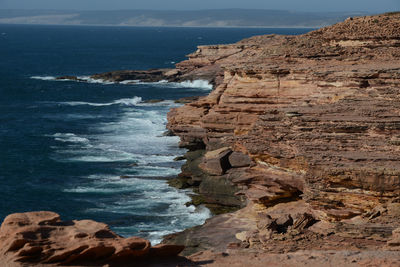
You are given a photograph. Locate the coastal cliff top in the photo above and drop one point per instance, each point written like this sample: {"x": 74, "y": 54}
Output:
{"x": 385, "y": 26}
{"x": 317, "y": 118}
{"x": 374, "y": 38}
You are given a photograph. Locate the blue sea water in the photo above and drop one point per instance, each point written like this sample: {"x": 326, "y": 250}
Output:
{"x": 65, "y": 145}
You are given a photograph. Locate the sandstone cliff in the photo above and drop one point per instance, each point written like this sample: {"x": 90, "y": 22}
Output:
{"x": 311, "y": 120}
{"x": 301, "y": 134}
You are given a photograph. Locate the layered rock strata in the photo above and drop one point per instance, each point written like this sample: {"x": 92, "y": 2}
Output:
{"x": 301, "y": 132}
{"x": 316, "y": 113}
{"x": 312, "y": 117}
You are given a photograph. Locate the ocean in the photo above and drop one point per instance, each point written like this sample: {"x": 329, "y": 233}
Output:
{"x": 96, "y": 150}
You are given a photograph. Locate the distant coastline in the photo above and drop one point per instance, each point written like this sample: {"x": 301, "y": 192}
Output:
{"x": 172, "y": 26}
{"x": 217, "y": 18}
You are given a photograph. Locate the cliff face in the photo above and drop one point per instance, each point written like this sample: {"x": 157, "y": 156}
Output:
{"x": 317, "y": 113}
{"x": 313, "y": 118}
{"x": 301, "y": 132}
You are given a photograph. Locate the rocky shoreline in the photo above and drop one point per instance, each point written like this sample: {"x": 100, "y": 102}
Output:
{"x": 300, "y": 136}
{"x": 301, "y": 133}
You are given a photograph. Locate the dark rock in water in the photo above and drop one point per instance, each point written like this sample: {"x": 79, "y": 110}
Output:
{"x": 126, "y": 177}
{"x": 180, "y": 158}
{"x": 168, "y": 133}
{"x": 72, "y": 78}
{"x": 153, "y": 75}
{"x": 180, "y": 183}
{"x": 197, "y": 200}
{"x": 152, "y": 101}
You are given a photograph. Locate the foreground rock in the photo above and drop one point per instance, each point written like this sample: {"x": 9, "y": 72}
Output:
{"x": 313, "y": 258}
{"x": 35, "y": 238}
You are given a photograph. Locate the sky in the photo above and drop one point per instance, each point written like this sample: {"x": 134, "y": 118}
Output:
{"x": 375, "y": 6}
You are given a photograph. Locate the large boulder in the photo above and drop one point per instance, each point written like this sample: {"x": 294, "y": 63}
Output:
{"x": 43, "y": 238}
{"x": 216, "y": 162}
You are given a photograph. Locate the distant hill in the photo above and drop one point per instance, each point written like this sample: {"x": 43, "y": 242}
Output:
{"x": 199, "y": 18}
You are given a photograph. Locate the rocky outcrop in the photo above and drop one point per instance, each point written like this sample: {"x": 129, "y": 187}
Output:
{"x": 204, "y": 64}
{"x": 316, "y": 113}
{"x": 36, "y": 238}
{"x": 311, "y": 118}
{"x": 301, "y": 133}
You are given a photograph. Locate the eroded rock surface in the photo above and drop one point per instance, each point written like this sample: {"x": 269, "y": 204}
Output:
{"x": 35, "y": 238}
{"x": 312, "y": 120}
{"x": 316, "y": 113}
{"x": 300, "y": 132}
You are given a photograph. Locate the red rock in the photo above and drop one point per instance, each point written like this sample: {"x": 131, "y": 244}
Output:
{"x": 327, "y": 114}
{"x": 163, "y": 250}
{"x": 318, "y": 116}
{"x": 42, "y": 237}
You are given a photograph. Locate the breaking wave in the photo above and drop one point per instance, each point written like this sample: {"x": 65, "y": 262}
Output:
{"x": 124, "y": 102}
{"x": 202, "y": 84}
{"x": 44, "y": 78}
{"x": 140, "y": 158}
{"x": 196, "y": 84}
{"x": 69, "y": 137}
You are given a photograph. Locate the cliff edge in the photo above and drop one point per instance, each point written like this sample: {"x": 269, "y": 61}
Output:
{"x": 304, "y": 131}
{"x": 301, "y": 136}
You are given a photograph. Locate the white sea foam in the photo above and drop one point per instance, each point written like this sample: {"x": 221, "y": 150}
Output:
{"x": 196, "y": 84}
{"x": 177, "y": 216}
{"x": 69, "y": 137}
{"x": 151, "y": 171}
{"x": 124, "y": 101}
{"x": 129, "y": 82}
{"x": 91, "y": 80}
{"x": 200, "y": 84}
{"x": 145, "y": 195}
{"x": 87, "y": 79}
{"x": 131, "y": 144}
{"x": 44, "y": 78}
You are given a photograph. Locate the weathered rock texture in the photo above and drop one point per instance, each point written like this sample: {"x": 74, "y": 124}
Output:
{"x": 313, "y": 117}
{"x": 35, "y": 238}
{"x": 300, "y": 259}
{"x": 316, "y": 113}
{"x": 301, "y": 132}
